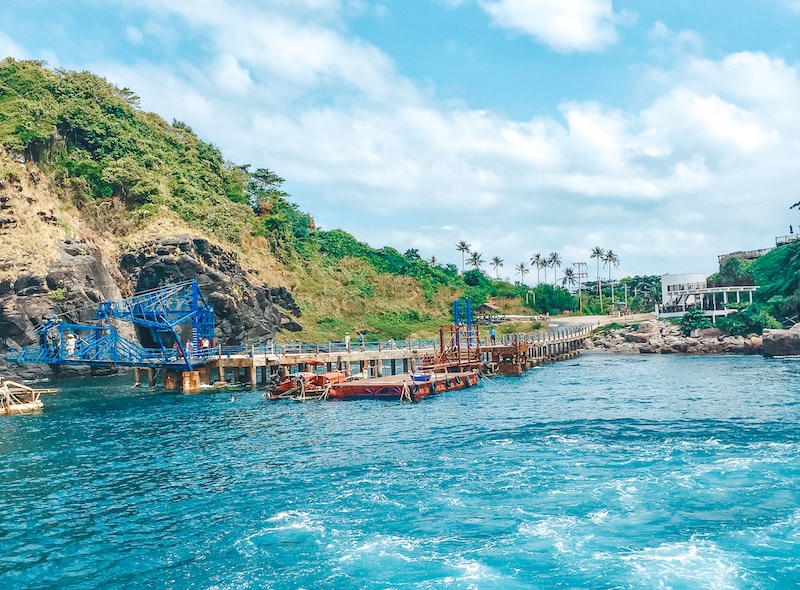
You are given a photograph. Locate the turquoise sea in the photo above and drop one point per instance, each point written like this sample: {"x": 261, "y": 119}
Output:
{"x": 601, "y": 472}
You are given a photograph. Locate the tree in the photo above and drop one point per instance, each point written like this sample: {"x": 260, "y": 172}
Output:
{"x": 475, "y": 260}
{"x": 522, "y": 270}
{"x": 554, "y": 260}
{"x": 542, "y": 264}
{"x": 433, "y": 261}
{"x": 463, "y": 247}
{"x": 497, "y": 262}
{"x": 264, "y": 189}
{"x": 694, "y": 319}
{"x": 132, "y": 182}
{"x": 598, "y": 253}
{"x": 536, "y": 260}
{"x": 569, "y": 278}
{"x": 611, "y": 259}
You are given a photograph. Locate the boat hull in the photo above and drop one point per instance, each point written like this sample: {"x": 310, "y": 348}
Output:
{"x": 404, "y": 387}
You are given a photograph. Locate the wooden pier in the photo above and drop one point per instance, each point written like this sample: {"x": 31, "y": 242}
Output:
{"x": 258, "y": 366}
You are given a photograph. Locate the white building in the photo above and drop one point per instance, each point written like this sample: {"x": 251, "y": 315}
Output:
{"x": 679, "y": 292}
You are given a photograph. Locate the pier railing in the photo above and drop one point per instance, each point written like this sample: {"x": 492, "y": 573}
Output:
{"x": 305, "y": 348}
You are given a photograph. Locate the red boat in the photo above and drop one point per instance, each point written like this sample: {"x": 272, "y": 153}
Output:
{"x": 405, "y": 387}
{"x": 306, "y": 384}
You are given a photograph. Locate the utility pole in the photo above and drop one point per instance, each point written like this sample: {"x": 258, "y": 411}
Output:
{"x": 580, "y": 273}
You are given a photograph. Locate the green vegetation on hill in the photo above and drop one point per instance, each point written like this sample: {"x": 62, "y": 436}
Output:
{"x": 776, "y": 302}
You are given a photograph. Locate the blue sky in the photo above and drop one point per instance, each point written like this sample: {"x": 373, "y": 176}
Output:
{"x": 668, "y": 132}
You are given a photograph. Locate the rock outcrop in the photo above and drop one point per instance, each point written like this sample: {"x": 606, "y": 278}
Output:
{"x": 75, "y": 283}
{"x": 782, "y": 342}
{"x": 244, "y": 313}
{"x": 654, "y": 337}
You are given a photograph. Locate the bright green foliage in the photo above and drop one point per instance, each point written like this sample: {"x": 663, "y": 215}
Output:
{"x": 337, "y": 244}
{"x": 553, "y": 300}
{"x": 778, "y": 275}
{"x": 694, "y": 319}
{"x": 643, "y": 292}
{"x": 733, "y": 271}
{"x": 398, "y": 325}
{"x": 753, "y": 320}
{"x": 281, "y": 222}
{"x": 85, "y": 129}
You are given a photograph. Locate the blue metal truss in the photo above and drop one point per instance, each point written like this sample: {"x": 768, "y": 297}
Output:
{"x": 162, "y": 314}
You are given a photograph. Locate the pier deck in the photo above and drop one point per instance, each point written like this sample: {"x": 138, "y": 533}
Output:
{"x": 257, "y": 365}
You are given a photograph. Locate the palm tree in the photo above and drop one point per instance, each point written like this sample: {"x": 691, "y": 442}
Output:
{"x": 611, "y": 259}
{"x": 569, "y": 277}
{"x": 554, "y": 260}
{"x": 475, "y": 260}
{"x": 497, "y": 262}
{"x": 543, "y": 264}
{"x": 536, "y": 260}
{"x": 463, "y": 247}
{"x": 433, "y": 261}
{"x": 522, "y": 270}
{"x": 598, "y": 253}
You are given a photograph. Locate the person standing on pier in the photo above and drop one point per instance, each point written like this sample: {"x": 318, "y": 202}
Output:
{"x": 361, "y": 340}
{"x": 492, "y": 335}
{"x": 347, "y": 341}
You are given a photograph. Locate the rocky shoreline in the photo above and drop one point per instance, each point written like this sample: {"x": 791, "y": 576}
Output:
{"x": 660, "y": 337}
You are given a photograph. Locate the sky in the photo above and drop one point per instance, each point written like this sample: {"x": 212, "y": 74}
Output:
{"x": 667, "y": 132}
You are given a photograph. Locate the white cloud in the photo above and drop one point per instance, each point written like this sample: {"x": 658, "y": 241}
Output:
{"x": 10, "y": 49}
{"x": 792, "y": 5}
{"x": 134, "y": 35}
{"x": 230, "y": 76}
{"x": 563, "y": 25}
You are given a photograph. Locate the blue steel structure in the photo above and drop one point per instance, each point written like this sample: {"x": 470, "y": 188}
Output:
{"x": 158, "y": 316}
{"x": 462, "y": 316}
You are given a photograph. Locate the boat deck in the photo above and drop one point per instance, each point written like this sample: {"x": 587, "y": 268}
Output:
{"x": 404, "y": 386}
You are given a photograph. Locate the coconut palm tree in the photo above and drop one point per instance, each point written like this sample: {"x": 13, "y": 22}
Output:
{"x": 475, "y": 260}
{"x": 522, "y": 270}
{"x": 611, "y": 259}
{"x": 463, "y": 247}
{"x": 598, "y": 253}
{"x": 536, "y": 260}
{"x": 497, "y": 262}
{"x": 543, "y": 264}
{"x": 569, "y": 278}
{"x": 554, "y": 260}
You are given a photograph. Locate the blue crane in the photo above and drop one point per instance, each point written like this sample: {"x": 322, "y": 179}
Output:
{"x": 158, "y": 316}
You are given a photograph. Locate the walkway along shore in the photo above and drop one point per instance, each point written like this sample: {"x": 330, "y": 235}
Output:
{"x": 258, "y": 365}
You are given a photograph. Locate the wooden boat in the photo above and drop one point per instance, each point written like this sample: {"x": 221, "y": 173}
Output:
{"x": 16, "y": 398}
{"x": 305, "y": 384}
{"x": 406, "y": 387}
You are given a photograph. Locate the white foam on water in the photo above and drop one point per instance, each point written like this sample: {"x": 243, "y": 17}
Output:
{"x": 557, "y": 529}
{"x": 396, "y": 547}
{"x": 598, "y": 516}
{"x": 472, "y": 571}
{"x": 295, "y": 520}
{"x": 694, "y": 563}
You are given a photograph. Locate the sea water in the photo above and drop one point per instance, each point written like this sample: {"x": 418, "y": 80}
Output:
{"x": 602, "y": 472}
